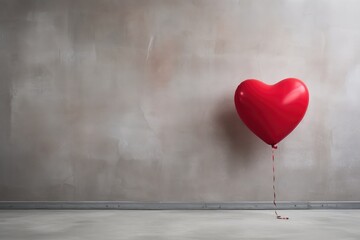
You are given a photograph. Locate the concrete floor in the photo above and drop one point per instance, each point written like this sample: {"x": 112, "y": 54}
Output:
{"x": 205, "y": 224}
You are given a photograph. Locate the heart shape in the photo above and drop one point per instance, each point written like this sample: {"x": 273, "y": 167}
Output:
{"x": 271, "y": 112}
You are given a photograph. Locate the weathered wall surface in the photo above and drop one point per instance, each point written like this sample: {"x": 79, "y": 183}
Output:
{"x": 133, "y": 100}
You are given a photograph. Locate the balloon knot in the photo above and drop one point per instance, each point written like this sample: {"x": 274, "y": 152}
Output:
{"x": 274, "y": 146}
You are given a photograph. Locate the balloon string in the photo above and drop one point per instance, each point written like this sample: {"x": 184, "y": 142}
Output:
{"x": 273, "y": 147}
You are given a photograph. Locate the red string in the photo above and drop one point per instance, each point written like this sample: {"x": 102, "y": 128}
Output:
{"x": 273, "y": 147}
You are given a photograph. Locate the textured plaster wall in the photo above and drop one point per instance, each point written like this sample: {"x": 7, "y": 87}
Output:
{"x": 133, "y": 100}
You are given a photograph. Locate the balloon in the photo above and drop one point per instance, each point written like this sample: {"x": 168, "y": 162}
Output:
{"x": 271, "y": 112}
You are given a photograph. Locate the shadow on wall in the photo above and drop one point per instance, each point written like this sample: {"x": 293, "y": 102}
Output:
{"x": 240, "y": 142}
{"x": 14, "y": 22}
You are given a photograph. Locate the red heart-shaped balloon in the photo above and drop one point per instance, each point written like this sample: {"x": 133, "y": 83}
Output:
{"x": 271, "y": 111}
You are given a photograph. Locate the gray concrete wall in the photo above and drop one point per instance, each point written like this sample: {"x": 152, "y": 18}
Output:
{"x": 133, "y": 100}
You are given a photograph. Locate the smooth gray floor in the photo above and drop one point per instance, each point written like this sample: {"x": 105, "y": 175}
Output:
{"x": 203, "y": 224}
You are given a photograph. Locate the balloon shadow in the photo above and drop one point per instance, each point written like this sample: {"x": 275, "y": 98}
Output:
{"x": 237, "y": 138}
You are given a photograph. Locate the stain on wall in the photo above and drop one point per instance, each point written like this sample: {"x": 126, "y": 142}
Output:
{"x": 133, "y": 100}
